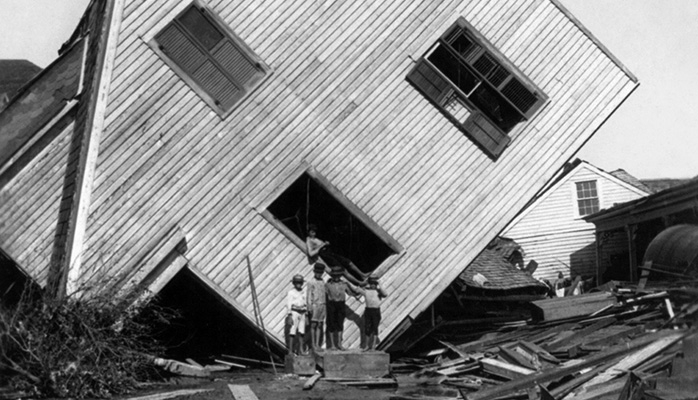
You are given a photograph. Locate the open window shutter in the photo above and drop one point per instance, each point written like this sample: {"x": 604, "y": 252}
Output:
{"x": 430, "y": 82}
{"x": 486, "y": 134}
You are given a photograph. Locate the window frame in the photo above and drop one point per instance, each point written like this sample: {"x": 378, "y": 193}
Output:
{"x": 577, "y": 199}
{"x": 228, "y": 34}
{"x": 477, "y": 126}
{"x": 299, "y": 242}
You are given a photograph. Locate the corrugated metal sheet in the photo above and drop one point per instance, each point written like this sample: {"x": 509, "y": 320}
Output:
{"x": 337, "y": 100}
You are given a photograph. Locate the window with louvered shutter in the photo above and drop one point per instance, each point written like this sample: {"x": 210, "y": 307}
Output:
{"x": 210, "y": 57}
{"x": 484, "y": 94}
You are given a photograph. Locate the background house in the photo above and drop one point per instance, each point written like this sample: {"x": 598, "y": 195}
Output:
{"x": 637, "y": 223}
{"x": 552, "y": 231}
{"x": 207, "y": 135}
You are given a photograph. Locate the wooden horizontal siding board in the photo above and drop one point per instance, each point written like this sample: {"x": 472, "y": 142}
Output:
{"x": 368, "y": 195}
{"x": 446, "y": 228}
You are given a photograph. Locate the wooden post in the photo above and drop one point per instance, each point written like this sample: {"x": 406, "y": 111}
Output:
{"x": 598, "y": 258}
{"x": 631, "y": 230}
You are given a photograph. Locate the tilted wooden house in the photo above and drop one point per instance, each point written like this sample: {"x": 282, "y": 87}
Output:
{"x": 205, "y": 135}
{"x": 552, "y": 230}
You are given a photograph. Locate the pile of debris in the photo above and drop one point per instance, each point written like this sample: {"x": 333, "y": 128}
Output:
{"x": 625, "y": 339}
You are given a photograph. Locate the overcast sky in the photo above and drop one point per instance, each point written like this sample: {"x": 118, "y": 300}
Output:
{"x": 652, "y": 135}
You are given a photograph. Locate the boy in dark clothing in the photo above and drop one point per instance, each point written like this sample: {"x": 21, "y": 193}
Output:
{"x": 337, "y": 289}
{"x": 372, "y": 313}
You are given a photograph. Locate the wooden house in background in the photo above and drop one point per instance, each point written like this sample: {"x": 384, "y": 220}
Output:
{"x": 669, "y": 216}
{"x": 206, "y": 135}
{"x": 552, "y": 230}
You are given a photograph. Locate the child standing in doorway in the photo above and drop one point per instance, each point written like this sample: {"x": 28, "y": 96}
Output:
{"x": 372, "y": 313}
{"x": 337, "y": 289}
{"x": 316, "y": 306}
{"x": 297, "y": 308}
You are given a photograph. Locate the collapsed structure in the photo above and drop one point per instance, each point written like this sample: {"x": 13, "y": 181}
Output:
{"x": 198, "y": 139}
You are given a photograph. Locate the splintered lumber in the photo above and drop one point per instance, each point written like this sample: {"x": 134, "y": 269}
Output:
{"x": 180, "y": 368}
{"x": 603, "y": 391}
{"x": 633, "y": 360}
{"x": 517, "y": 356}
{"x": 242, "y": 392}
{"x": 372, "y": 383}
{"x": 459, "y": 369}
{"x": 570, "y": 307}
{"x": 557, "y": 373}
{"x": 170, "y": 395}
{"x": 577, "y": 336}
{"x": 504, "y": 369}
{"x": 192, "y": 362}
{"x": 310, "y": 382}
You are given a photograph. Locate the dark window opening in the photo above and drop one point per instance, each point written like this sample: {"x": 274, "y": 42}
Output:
{"x": 307, "y": 201}
{"x": 480, "y": 93}
{"x": 476, "y": 87}
{"x": 204, "y": 327}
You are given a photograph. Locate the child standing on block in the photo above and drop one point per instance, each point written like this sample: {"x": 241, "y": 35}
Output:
{"x": 337, "y": 289}
{"x": 372, "y": 314}
{"x": 316, "y": 306}
{"x": 296, "y": 306}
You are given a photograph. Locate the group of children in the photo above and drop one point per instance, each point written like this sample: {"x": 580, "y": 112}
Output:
{"x": 323, "y": 303}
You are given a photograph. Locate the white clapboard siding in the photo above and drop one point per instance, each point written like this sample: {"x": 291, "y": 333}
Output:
{"x": 337, "y": 100}
{"x": 29, "y": 207}
{"x": 553, "y": 234}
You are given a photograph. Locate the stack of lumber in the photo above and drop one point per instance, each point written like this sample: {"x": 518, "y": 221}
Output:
{"x": 602, "y": 345}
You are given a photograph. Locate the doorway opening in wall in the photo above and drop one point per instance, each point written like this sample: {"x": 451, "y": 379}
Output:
{"x": 312, "y": 200}
{"x": 205, "y": 326}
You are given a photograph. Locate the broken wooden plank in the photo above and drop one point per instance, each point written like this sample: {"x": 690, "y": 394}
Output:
{"x": 310, "y": 382}
{"x": 564, "y": 343}
{"x": 194, "y": 363}
{"x": 570, "y": 307}
{"x": 557, "y": 373}
{"x": 230, "y": 364}
{"x": 520, "y": 358}
{"x": 242, "y": 392}
{"x": 180, "y": 368}
{"x": 636, "y": 358}
{"x": 504, "y": 369}
{"x": 169, "y": 395}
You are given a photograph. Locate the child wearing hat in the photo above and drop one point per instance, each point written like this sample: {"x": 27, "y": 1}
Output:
{"x": 316, "y": 305}
{"x": 337, "y": 289}
{"x": 296, "y": 307}
{"x": 372, "y": 313}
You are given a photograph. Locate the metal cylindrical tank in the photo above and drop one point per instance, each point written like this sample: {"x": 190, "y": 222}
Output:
{"x": 675, "y": 250}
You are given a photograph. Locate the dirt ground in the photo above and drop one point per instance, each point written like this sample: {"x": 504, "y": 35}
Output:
{"x": 268, "y": 386}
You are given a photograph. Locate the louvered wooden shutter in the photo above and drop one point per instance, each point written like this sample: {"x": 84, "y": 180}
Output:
{"x": 486, "y": 134}
{"x": 430, "y": 82}
{"x": 223, "y": 69}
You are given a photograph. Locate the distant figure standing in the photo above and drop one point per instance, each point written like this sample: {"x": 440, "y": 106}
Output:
{"x": 559, "y": 285}
{"x": 297, "y": 308}
{"x": 372, "y": 313}
{"x": 317, "y": 248}
{"x": 337, "y": 289}
{"x": 316, "y": 305}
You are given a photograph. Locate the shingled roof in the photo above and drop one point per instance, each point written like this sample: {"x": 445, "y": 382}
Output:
{"x": 493, "y": 270}
{"x": 13, "y": 75}
{"x": 39, "y": 101}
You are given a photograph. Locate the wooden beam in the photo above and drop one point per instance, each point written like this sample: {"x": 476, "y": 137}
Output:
{"x": 557, "y": 373}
